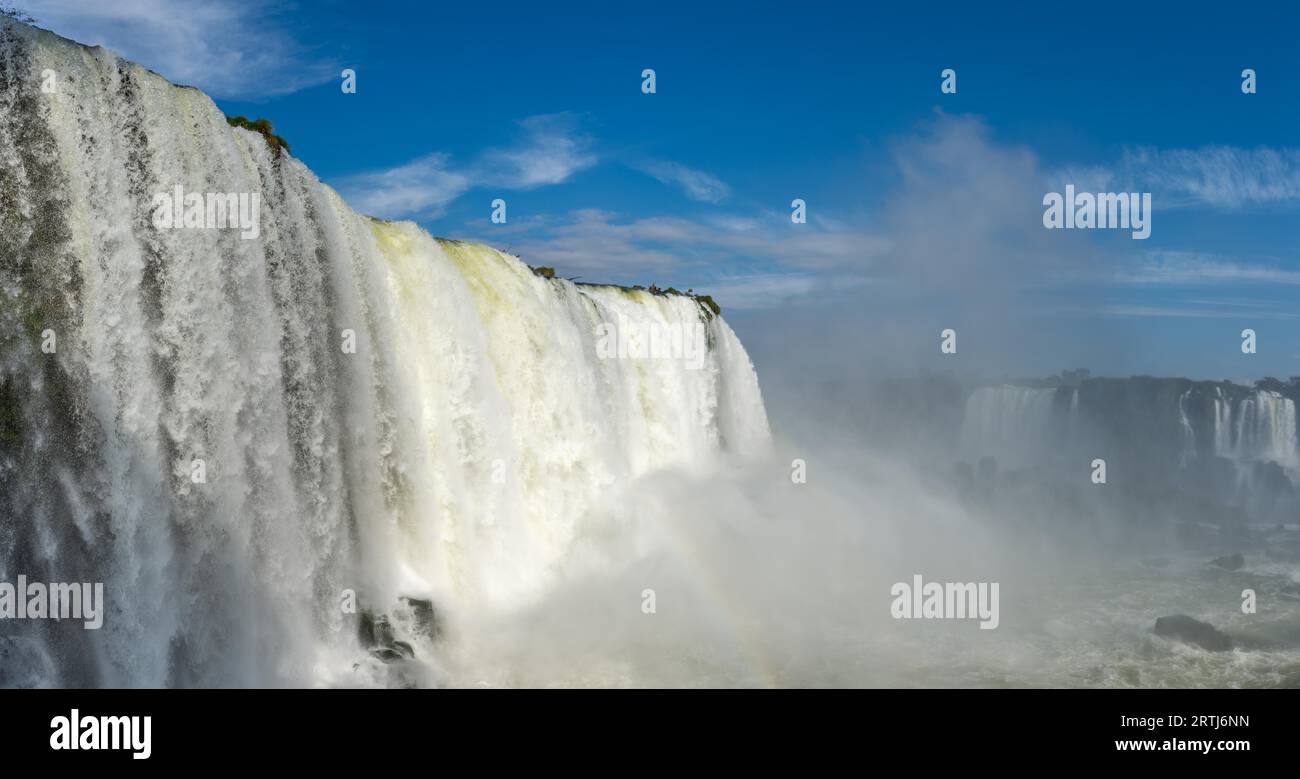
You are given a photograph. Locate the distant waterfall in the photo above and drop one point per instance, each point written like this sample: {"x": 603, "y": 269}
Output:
{"x": 1245, "y": 426}
{"x": 1260, "y": 426}
{"x": 1188, "y": 449}
{"x": 1013, "y": 424}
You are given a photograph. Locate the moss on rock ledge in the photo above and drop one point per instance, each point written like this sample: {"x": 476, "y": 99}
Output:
{"x": 707, "y": 300}
{"x": 263, "y": 127}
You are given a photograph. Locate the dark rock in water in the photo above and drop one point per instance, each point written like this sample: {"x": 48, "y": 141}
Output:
{"x": 383, "y": 631}
{"x": 426, "y": 619}
{"x": 387, "y": 654}
{"x": 1156, "y": 562}
{"x": 374, "y": 631}
{"x": 1193, "y": 631}
{"x": 1229, "y": 562}
{"x": 366, "y": 629}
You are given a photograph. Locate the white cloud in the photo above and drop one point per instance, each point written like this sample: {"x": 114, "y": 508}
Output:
{"x": 1223, "y": 177}
{"x": 591, "y": 241}
{"x": 421, "y": 187}
{"x": 597, "y": 239}
{"x": 551, "y": 151}
{"x": 760, "y": 291}
{"x": 697, "y": 184}
{"x": 784, "y": 261}
{"x": 233, "y": 49}
{"x": 1188, "y": 312}
{"x": 1190, "y": 268}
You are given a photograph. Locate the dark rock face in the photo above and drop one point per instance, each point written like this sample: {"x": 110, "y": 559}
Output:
{"x": 376, "y": 634}
{"x": 426, "y": 619}
{"x": 366, "y": 629}
{"x": 387, "y": 654}
{"x": 375, "y": 631}
{"x": 1192, "y": 631}
{"x": 1229, "y": 562}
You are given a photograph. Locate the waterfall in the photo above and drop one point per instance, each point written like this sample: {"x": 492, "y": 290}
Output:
{"x": 1188, "y": 448}
{"x": 1266, "y": 428}
{"x": 1072, "y": 427}
{"x": 1246, "y": 426}
{"x": 1013, "y": 424}
{"x": 232, "y": 434}
{"x": 1259, "y": 426}
{"x": 1222, "y": 423}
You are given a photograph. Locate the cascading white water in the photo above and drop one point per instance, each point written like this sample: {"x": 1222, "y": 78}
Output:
{"x": 1015, "y": 423}
{"x": 1011, "y": 423}
{"x": 1188, "y": 448}
{"x": 1260, "y": 426}
{"x": 1266, "y": 428}
{"x": 454, "y": 454}
{"x": 1073, "y": 425}
{"x": 1222, "y": 422}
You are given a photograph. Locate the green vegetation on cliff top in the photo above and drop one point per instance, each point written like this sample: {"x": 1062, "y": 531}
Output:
{"x": 263, "y": 127}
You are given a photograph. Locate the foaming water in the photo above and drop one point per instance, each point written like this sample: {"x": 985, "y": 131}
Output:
{"x": 429, "y": 425}
{"x": 1261, "y": 426}
{"x": 760, "y": 582}
{"x": 374, "y": 411}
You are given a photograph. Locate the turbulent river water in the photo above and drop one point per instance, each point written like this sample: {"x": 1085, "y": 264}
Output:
{"x": 346, "y": 453}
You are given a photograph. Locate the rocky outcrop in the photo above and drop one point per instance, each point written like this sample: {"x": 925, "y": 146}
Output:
{"x": 426, "y": 619}
{"x": 416, "y": 618}
{"x": 1229, "y": 562}
{"x": 1183, "y": 628}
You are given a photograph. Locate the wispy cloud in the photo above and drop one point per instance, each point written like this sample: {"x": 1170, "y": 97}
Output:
{"x": 424, "y": 186}
{"x": 697, "y": 184}
{"x": 1191, "y": 268}
{"x": 1224, "y": 177}
{"x": 1188, "y": 312}
{"x": 1219, "y": 176}
{"x": 761, "y": 291}
{"x": 591, "y": 240}
{"x": 551, "y": 150}
{"x": 746, "y": 262}
{"x": 615, "y": 242}
{"x": 233, "y": 49}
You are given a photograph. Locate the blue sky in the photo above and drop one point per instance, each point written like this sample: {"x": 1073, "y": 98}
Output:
{"x": 924, "y": 209}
